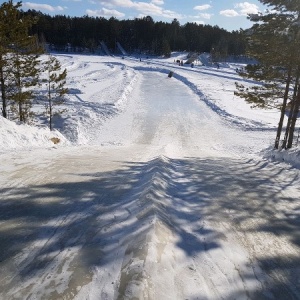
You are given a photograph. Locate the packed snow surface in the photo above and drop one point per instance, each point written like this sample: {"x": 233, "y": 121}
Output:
{"x": 159, "y": 188}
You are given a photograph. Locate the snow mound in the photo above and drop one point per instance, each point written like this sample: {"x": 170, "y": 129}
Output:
{"x": 14, "y": 136}
{"x": 290, "y": 156}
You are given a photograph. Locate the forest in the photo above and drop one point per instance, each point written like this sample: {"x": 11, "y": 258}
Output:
{"x": 78, "y": 34}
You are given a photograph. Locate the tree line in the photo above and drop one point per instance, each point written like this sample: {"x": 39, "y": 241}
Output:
{"x": 22, "y": 70}
{"x": 137, "y": 35}
{"x": 274, "y": 41}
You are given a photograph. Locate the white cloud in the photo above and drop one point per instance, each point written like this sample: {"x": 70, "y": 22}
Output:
{"x": 42, "y": 7}
{"x": 247, "y": 8}
{"x": 105, "y": 13}
{"x": 114, "y": 3}
{"x": 198, "y": 22}
{"x": 205, "y": 16}
{"x": 171, "y": 14}
{"x": 147, "y": 8}
{"x": 158, "y": 2}
{"x": 143, "y": 8}
{"x": 241, "y": 9}
{"x": 229, "y": 13}
{"x": 202, "y": 7}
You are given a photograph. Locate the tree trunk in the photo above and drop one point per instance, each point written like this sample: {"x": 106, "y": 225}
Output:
{"x": 50, "y": 113}
{"x": 283, "y": 108}
{"x": 21, "y": 114}
{"x": 3, "y": 94}
{"x": 287, "y": 130}
{"x": 293, "y": 120}
{"x": 49, "y": 100}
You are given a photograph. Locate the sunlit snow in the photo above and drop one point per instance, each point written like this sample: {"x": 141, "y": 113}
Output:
{"x": 160, "y": 188}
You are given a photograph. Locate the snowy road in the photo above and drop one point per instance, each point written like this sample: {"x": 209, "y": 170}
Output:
{"x": 165, "y": 203}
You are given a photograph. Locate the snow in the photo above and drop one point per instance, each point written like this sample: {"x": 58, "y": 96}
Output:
{"x": 159, "y": 188}
{"x": 13, "y": 136}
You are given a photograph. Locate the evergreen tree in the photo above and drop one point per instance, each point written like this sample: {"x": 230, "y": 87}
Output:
{"x": 24, "y": 70}
{"x": 164, "y": 48}
{"x": 274, "y": 42}
{"x": 8, "y": 12}
{"x": 291, "y": 9}
{"x": 55, "y": 82}
{"x": 175, "y": 29}
{"x": 19, "y": 60}
{"x": 283, "y": 5}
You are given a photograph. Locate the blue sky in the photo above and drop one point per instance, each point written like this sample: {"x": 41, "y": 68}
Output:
{"x": 228, "y": 14}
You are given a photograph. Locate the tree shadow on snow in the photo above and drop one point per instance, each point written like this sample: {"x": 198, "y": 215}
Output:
{"x": 100, "y": 213}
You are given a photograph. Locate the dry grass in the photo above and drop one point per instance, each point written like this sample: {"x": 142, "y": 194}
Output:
{"x": 55, "y": 140}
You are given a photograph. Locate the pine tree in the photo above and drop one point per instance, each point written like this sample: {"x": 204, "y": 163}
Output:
{"x": 274, "y": 43}
{"x": 283, "y": 5}
{"x": 55, "y": 82}
{"x": 24, "y": 76}
{"x": 19, "y": 60}
{"x": 291, "y": 9}
{"x": 8, "y": 13}
{"x": 165, "y": 48}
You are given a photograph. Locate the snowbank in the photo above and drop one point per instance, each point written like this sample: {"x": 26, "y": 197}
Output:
{"x": 13, "y": 136}
{"x": 291, "y": 156}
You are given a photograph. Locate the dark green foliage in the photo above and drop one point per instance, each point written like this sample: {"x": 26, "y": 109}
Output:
{"x": 55, "y": 83}
{"x": 283, "y": 5}
{"x": 19, "y": 63}
{"x": 8, "y": 13}
{"x": 269, "y": 88}
{"x": 138, "y": 35}
{"x": 274, "y": 41}
{"x": 20, "y": 67}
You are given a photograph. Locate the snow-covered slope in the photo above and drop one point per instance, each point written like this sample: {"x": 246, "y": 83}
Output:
{"x": 13, "y": 136}
{"x": 100, "y": 88}
{"x": 161, "y": 189}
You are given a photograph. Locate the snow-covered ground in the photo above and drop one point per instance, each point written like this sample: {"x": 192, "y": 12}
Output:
{"x": 160, "y": 188}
